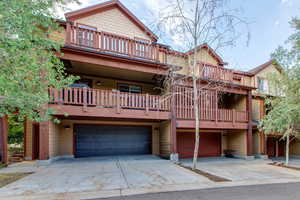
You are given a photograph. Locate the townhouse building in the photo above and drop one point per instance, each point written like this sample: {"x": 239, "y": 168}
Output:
{"x": 121, "y": 105}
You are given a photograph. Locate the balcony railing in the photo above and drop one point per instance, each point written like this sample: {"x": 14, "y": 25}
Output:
{"x": 211, "y": 72}
{"x": 108, "y": 42}
{"x": 109, "y": 99}
{"x": 218, "y": 115}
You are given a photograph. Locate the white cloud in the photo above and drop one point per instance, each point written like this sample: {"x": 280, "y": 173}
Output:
{"x": 277, "y": 22}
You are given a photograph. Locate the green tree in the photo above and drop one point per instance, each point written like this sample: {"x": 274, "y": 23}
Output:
{"x": 284, "y": 115}
{"x": 28, "y": 61}
{"x": 15, "y": 130}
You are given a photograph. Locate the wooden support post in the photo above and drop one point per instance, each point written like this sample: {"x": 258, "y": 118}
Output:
{"x": 118, "y": 102}
{"x": 266, "y": 144}
{"x": 233, "y": 116}
{"x": 249, "y": 132}
{"x": 216, "y": 96}
{"x": 173, "y": 121}
{"x": 3, "y": 140}
{"x": 44, "y": 140}
{"x": 69, "y": 32}
{"x": 84, "y": 99}
{"x": 147, "y": 104}
{"x": 277, "y": 148}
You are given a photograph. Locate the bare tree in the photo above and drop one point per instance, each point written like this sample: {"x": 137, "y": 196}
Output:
{"x": 195, "y": 22}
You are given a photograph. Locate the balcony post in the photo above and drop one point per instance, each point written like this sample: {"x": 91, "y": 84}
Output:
{"x": 3, "y": 140}
{"x": 174, "y": 154}
{"x": 233, "y": 116}
{"x": 118, "y": 102}
{"x": 147, "y": 104}
{"x": 216, "y": 96}
{"x": 68, "y": 36}
{"x": 249, "y": 133}
{"x": 44, "y": 132}
{"x": 84, "y": 99}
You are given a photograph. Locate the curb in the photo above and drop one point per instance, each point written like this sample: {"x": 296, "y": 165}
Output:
{"x": 138, "y": 191}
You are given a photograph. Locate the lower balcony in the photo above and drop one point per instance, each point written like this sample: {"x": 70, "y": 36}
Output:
{"x": 87, "y": 102}
{"x": 212, "y": 118}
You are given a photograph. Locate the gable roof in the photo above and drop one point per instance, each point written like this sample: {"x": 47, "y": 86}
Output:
{"x": 258, "y": 69}
{"x": 212, "y": 52}
{"x": 98, "y": 8}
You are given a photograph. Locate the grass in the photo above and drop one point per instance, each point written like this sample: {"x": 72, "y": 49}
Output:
{"x": 6, "y": 179}
{"x": 2, "y": 166}
{"x": 211, "y": 177}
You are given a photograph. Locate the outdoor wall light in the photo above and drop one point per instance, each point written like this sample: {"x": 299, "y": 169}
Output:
{"x": 98, "y": 83}
{"x": 67, "y": 127}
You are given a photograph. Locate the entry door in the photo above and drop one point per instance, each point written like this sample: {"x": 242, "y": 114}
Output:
{"x": 35, "y": 141}
{"x": 112, "y": 140}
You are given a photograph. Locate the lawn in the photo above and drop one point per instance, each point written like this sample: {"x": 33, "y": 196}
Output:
{"x": 6, "y": 179}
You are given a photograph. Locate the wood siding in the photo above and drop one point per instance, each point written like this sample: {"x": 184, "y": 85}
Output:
{"x": 165, "y": 139}
{"x": 116, "y": 22}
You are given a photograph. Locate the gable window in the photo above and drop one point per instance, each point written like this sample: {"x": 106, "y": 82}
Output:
{"x": 262, "y": 85}
{"x": 130, "y": 88}
{"x": 84, "y": 35}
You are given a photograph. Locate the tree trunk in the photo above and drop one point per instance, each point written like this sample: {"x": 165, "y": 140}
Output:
{"x": 287, "y": 149}
{"x": 197, "y": 123}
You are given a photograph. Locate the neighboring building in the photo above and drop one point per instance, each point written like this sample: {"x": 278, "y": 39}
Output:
{"x": 120, "y": 107}
{"x": 267, "y": 145}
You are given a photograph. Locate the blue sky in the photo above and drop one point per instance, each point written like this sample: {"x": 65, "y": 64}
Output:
{"x": 268, "y": 20}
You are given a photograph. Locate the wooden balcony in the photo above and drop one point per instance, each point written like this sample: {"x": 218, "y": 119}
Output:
{"x": 112, "y": 43}
{"x": 215, "y": 115}
{"x": 108, "y": 103}
{"x": 216, "y": 73}
{"x": 212, "y": 118}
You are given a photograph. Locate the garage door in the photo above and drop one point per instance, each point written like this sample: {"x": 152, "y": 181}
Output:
{"x": 210, "y": 145}
{"x": 112, "y": 140}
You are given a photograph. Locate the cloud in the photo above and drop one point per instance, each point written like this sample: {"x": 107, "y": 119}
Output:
{"x": 277, "y": 22}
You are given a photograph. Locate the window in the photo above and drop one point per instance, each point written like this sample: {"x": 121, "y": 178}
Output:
{"x": 130, "y": 88}
{"x": 262, "y": 85}
{"x": 84, "y": 37}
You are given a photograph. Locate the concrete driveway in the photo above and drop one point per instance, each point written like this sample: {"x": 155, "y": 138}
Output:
{"x": 242, "y": 170}
{"x": 100, "y": 174}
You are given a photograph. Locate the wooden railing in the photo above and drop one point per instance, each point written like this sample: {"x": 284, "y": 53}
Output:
{"x": 109, "y": 99}
{"x": 223, "y": 115}
{"x": 211, "y": 72}
{"x": 108, "y": 42}
{"x": 215, "y": 73}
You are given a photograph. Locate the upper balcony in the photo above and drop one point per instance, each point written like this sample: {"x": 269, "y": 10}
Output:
{"x": 216, "y": 73}
{"x": 112, "y": 43}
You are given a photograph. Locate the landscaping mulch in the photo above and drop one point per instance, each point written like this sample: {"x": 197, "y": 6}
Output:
{"x": 6, "y": 179}
{"x": 278, "y": 164}
{"x": 207, "y": 175}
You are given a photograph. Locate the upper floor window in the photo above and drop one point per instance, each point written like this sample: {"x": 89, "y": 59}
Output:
{"x": 130, "y": 88}
{"x": 262, "y": 85}
{"x": 84, "y": 36}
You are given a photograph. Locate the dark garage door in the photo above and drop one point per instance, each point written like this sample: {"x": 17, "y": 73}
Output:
{"x": 210, "y": 144}
{"x": 112, "y": 140}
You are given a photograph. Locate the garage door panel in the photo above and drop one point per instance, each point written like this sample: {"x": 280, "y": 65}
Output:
{"x": 112, "y": 140}
{"x": 210, "y": 144}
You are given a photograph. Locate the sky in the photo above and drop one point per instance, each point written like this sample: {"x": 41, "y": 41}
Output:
{"x": 268, "y": 26}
